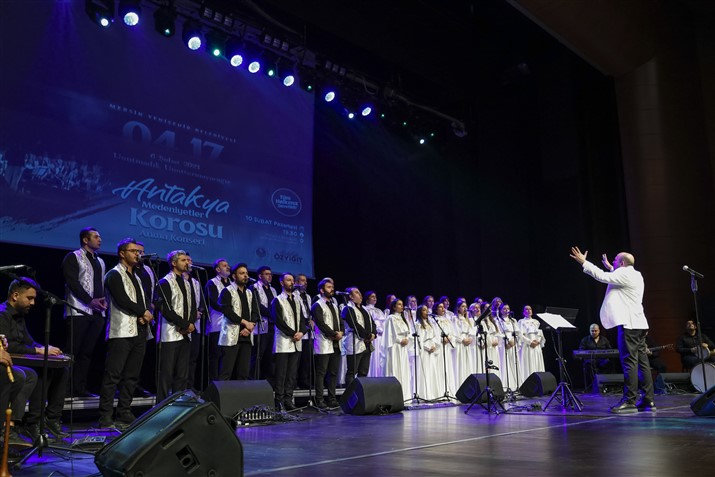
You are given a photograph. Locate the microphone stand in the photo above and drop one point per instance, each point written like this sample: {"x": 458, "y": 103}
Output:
{"x": 42, "y": 441}
{"x": 416, "y": 345}
{"x": 351, "y": 313}
{"x": 257, "y": 363}
{"x": 444, "y": 335}
{"x": 492, "y": 404}
{"x": 516, "y": 353}
{"x": 694, "y": 288}
{"x": 509, "y": 392}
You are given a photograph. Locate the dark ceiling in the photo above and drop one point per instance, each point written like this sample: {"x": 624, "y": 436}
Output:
{"x": 441, "y": 54}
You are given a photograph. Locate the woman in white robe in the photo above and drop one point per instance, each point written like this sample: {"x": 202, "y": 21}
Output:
{"x": 466, "y": 362}
{"x": 430, "y": 381}
{"x": 397, "y": 343}
{"x": 532, "y": 342}
{"x": 508, "y": 351}
{"x": 377, "y": 358}
{"x": 448, "y": 350}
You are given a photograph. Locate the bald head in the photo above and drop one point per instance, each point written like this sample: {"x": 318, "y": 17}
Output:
{"x": 625, "y": 259}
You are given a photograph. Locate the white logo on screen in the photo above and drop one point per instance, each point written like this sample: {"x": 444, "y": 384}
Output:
{"x": 286, "y": 202}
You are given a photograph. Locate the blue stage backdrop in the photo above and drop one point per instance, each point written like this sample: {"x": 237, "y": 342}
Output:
{"x": 134, "y": 134}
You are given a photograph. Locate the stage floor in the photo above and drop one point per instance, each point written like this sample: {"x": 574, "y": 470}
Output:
{"x": 442, "y": 440}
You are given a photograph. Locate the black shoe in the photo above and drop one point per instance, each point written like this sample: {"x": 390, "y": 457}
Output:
{"x": 645, "y": 406}
{"x": 333, "y": 403}
{"x": 15, "y": 439}
{"x": 32, "y": 431}
{"x": 319, "y": 403}
{"x": 289, "y": 406}
{"x": 55, "y": 427}
{"x": 106, "y": 423}
{"x": 624, "y": 407}
{"x": 125, "y": 417}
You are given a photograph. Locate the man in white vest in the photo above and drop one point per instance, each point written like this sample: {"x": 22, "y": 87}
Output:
{"x": 84, "y": 271}
{"x": 238, "y": 321}
{"x": 329, "y": 331}
{"x": 214, "y": 287}
{"x": 176, "y": 306}
{"x": 127, "y": 333}
{"x": 263, "y": 341}
{"x": 360, "y": 331}
{"x": 288, "y": 341}
{"x": 623, "y": 308}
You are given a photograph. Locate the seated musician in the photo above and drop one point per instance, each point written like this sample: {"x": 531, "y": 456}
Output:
{"x": 20, "y": 299}
{"x": 595, "y": 342}
{"x": 690, "y": 348}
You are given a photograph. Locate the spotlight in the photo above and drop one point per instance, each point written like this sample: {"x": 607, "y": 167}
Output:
{"x": 130, "y": 11}
{"x": 192, "y": 35}
{"x": 329, "y": 95}
{"x": 100, "y": 11}
{"x": 422, "y": 141}
{"x": 307, "y": 78}
{"x": 252, "y": 57}
{"x": 288, "y": 78}
{"x": 366, "y": 110}
{"x": 164, "y": 18}
{"x": 234, "y": 52}
{"x": 215, "y": 43}
{"x": 351, "y": 115}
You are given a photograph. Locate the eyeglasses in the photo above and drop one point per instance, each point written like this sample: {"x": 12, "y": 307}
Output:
{"x": 134, "y": 250}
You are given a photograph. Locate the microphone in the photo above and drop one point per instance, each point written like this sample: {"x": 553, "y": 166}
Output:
{"x": 150, "y": 255}
{"x": 196, "y": 266}
{"x": 8, "y": 268}
{"x": 252, "y": 280}
{"x": 338, "y": 292}
{"x": 685, "y": 267}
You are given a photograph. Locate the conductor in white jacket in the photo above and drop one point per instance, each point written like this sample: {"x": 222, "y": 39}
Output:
{"x": 623, "y": 308}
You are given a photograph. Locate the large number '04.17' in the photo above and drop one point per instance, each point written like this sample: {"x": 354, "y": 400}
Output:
{"x": 138, "y": 132}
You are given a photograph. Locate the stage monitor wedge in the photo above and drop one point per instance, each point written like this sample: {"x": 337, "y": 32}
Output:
{"x": 372, "y": 396}
{"x": 476, "y": 383}
{"x": 179, "y": 438}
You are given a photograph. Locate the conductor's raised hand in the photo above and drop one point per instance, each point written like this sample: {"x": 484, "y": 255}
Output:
{"x": 577, "y": 255}
{"x": 606, "y": 263}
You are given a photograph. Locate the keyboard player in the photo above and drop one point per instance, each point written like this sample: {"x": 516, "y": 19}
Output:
{"x": 20, "y": 299}
{"x": 595, "y": 342}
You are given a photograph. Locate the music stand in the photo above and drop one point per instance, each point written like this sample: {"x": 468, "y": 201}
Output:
{"x": 557, "y": 319}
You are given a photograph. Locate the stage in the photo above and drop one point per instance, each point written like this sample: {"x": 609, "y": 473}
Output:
{"x": 442, "y": 440}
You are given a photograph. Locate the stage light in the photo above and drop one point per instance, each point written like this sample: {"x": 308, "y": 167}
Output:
{"x": 287, "y": 76}
{"x": 366, "y": 110}
{"x": 192, "y": 35}
{"x": 252, "y": 56}
{"x": 164, "y": 18}
{"x": 254, "y": 66}
{"x": 422, "y": 141}
{"x": 329, "y": 95}
{"x": 234, "y": 52}
{"x": 130, "y": 12}
{"x": 215, "y": 43}
{"x": 100, "y": 11}
{"x": 351, "y": 115}
{"x": 306, "y": 78}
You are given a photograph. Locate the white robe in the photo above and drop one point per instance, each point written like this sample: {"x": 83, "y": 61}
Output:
{"x": 494, "y": 341}
{"x": 511, "y": 375}
{"x": 397, "y": 359}
{"x": 532, "y": 359}
{"x": 377, "y": 358}
{"x": 450, "y": 352}
{"x": 430, "y": 382}
{"x": 466, "y": 362}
